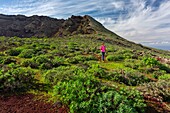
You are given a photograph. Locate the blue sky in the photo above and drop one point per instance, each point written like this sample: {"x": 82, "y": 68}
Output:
{"x": 136, "y": 20}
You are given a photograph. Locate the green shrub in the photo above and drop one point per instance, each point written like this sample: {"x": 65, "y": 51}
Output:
{"x": 2, "y": 54}
{"x": 13, "y": 65}
{"x": 57, "y": 53}
{"x": 148, "y": 61}
{"x": 70, "y": 55}
{"x": 97, "y": 71}
{"x": 46, "y": 62}
{"x": 72, "y": 60}
{"x": 164, "y": 67}
{"x": 1, "y": 60}
{"x": 85, "y": 94}
{"x": 27, "y": 53}
{"x": 41, "y": 59}
{"x": 15, "y": 80}
{"x": 91, "y": 62}
{"x": 131, "y": 65}
{"x": 114, "y": 58}
{"x": 57, "y": 61}
{"x": 111, "y": 49}
{"x": 122, "y": 52}
{"x": 72, "y": 46}
{"x": 135, "y": 56}
{"x": 157, "y": 90}
{"x": 13, "y": 52}
{"x": 158, "y": 73}
{"x": 52, "y": 47}
{"x": 128, "y": 55}
{"x": 164, "y": 77}
{"x": 8, "y": 60}
{"x": 34, "y": 45}
{"x": 46, "y": 66}
{"x": 26, "y": 63}
{"x": 110, "y": 58}
{"x": 91, "y": 57}
{"x": 80, "y": 58}
{"x": 29, "y": 46}
{"x": 44, "y": 46}
{"x": 76, "y": 53}
{"x": 30, "y": 63}
{"x": 42, "y": 52}
{"x": 59, "y": 74}
{"x": 151, "y": 64}
{"x": 129, "y": 77}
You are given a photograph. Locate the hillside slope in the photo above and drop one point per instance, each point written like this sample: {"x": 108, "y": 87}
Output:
{"x": 73, "y": 64}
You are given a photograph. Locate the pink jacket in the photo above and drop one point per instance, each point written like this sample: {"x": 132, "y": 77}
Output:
{"x": 103, "y": 48}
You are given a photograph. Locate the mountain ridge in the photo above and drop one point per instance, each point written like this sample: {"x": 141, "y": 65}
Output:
{"x": 44, "y": 26}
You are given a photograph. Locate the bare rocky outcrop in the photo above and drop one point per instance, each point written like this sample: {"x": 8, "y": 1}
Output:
{"x": 43, "y": 26}
{"x": 22, "y": 26}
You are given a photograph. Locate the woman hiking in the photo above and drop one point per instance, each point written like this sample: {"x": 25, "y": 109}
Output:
{"x": 103, "y": 50}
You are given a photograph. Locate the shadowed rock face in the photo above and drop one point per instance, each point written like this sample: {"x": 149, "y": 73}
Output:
{"x": 43, "y": 26}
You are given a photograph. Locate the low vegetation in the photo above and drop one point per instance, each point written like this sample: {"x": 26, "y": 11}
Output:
{"x": 69, "y": 70}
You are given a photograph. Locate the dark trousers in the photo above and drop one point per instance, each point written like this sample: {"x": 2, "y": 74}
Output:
{"x": 103, "y": 53}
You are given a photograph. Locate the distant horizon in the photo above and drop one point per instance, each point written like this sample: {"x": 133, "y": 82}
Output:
{"x": 162, "y": 46}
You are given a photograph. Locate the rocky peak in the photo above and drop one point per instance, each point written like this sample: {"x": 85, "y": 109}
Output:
{"x": 43, "y": 26}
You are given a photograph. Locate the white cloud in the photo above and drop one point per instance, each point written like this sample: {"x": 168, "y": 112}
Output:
{"x": 30, "y": 7}
{"x": 118, "y": 4}
{"x": 143, "y": 23}
{"x": 57, "y": 8}
{"x": 106, "y": 21}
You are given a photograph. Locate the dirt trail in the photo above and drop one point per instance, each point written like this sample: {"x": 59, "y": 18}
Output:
{"x": 27, "y": 104}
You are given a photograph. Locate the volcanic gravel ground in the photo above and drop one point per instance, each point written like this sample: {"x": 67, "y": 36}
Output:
{"x": 27, "y": 104}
